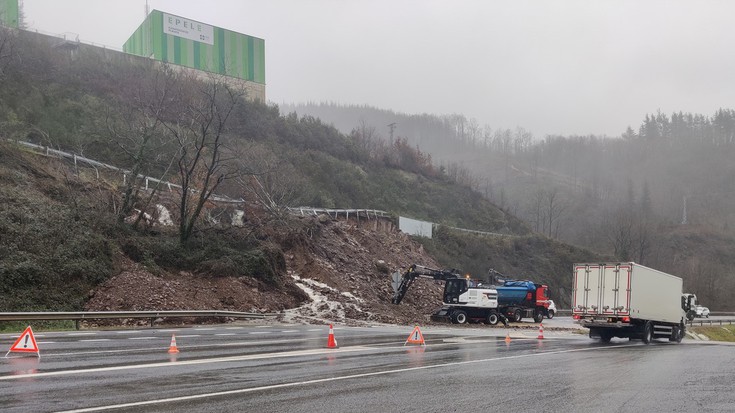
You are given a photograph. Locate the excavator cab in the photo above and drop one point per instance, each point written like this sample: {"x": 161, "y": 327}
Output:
{"x": 453, "y": 289}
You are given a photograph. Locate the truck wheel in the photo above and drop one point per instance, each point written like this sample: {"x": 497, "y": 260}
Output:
{"x": 551, "y": 314}
{"x": 538, "y": 316}
{"x": 493, "y": 319}
{"x": 605, "y": 336}
{"x": 648, "y": 332}
{"x": 460, "y": 317}
{"x": 518, "y": 315}
{"x": 676, "y": 334}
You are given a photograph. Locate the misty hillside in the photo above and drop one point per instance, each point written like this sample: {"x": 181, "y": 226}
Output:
{"x": 654, "y": 195}
{"x": 70, "y": 232}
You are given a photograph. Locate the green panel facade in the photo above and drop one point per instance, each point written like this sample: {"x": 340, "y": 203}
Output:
{"x": 230, "y": 53}
{"x": 9, "y": 13}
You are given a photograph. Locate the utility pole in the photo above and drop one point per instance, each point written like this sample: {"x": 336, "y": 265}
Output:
{"x": 392, "y": 126}
{"x": 684, "y": 214}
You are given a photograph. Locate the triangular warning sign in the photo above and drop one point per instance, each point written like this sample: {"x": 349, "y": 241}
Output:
{"x": 416, "y": 337}
{"x": 26, "y": 343}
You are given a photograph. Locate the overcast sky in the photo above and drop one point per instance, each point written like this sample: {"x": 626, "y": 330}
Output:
{"x": 552, "y": 67}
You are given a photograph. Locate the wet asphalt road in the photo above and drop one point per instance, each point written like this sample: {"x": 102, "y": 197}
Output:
{"x": 286, "y": 368}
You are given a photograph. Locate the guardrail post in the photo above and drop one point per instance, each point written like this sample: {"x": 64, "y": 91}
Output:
{"x": 76, "y": 324}
{"x": 153, "y": 319}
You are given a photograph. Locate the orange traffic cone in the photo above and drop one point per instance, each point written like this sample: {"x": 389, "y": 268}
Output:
{"x": 172, "y": 348}
{"x": 332, "y": 342}
{"x": 540, "y": 331}
{"x": 507, "y": 338}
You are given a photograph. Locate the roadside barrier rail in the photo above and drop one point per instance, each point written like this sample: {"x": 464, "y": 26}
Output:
{"x": 710, "y": 322}
{"x": 78, "y": 316}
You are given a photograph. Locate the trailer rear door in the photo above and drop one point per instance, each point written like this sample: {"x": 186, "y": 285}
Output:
{"x": 601, "y": 289}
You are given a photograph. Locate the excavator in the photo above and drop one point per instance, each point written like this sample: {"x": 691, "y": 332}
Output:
{"x": 464, "y": 299}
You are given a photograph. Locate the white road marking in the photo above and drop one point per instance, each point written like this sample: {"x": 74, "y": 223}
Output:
{"x": 263, "y": 326}
{"x": 128, "y": 332}
{"x": 95, "y": 339}
{"x": 81, "y": 334}
{"x": 189, "y": 335}
{"x": 297, "y": 383}
{"x": 289, "y": 331}
{"x": 142, "y": 338}
{"x": 226, "y": 334}
{"x": 234, "y": 328}
{"x": 260, "y": 332}
{"x": 45, "y": 342}
{"x": 316, "y": 329}
{"x": 204, "y": 329}
{"x": 169, "y": 330}
{"x": 229, "y": 359}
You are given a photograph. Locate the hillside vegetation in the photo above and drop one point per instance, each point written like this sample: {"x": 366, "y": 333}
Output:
{"x": 73, "y": 237}
{"x": 660, "y": 194}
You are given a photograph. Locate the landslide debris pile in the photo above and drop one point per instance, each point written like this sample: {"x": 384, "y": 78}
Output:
{"x": 340, "y": 272}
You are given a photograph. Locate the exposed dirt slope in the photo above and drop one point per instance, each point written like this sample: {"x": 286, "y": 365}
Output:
{"x": 339, "y": 274}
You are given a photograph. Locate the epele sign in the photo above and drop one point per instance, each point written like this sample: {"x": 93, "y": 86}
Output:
{"x": 188, "y": 29}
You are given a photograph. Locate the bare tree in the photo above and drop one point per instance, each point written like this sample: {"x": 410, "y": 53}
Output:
{"x": 555, "y": 209}
{"x": 199, "y": 130}
{"x": 7, "y": 49}
{"x": 621, "y": 235}
{"x": 137, "y": 131}
{"x": 270, "y": 180}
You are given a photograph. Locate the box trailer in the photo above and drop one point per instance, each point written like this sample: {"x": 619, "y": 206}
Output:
{"x": 628, "y": 300}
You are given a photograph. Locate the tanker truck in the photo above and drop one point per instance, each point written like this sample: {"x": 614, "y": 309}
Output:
{"x": 628, "y": 300}
{"x": 523, "y": 299}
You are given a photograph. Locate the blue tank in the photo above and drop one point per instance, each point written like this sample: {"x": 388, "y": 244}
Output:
{"x": 515, "y": 292}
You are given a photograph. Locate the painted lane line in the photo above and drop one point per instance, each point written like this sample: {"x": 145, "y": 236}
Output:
{"x": 325, "y": 380}
{"x": 204, "y": 329}
{"x": 80, "y": 334}
{"x": 234, "y": 328}
{"x": 143, "y": 338}
{"x": 263, "y": 326}
{"x": 45, "y": 342}
{"x": 95, "y": 339}
{"x": 226, "y": 334}
{"x": 230, "y": 359}
{"x": 260, "y": 332}
{"x": 169, "y": 330}
{"x": 315, "y": 329}
{"x": 128, "y": 332}
{"x": 289, "y": 331}
{"x": 189, "y": 335}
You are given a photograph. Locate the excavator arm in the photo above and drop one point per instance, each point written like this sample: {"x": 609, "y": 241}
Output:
{"x": 402, "y": 282}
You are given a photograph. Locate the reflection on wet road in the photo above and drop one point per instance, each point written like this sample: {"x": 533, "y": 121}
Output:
{"x": 288, "y": 368}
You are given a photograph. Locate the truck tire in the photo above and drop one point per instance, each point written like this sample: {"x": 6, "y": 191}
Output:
{"x": 605, "y": 336}
{"x": 538, "y": 316}
{"x": 677, "y": 334}
{"x": 459, "y": 317}
{"x": 493, "y": 318}
{"x": 518, "y": 315}
{"x": 551, "y": 314}
{"x": 648, "y": 332}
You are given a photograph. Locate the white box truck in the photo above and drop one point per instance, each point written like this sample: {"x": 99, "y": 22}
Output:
{"x": 628, "y": 300}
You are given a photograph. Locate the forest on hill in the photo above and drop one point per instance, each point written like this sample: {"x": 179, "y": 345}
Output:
{"x": 661, "y": 194}
{"x": 68, "y": 231}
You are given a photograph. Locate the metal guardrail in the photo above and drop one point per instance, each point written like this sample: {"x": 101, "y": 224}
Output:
{"x": 709, "y": 322}
{"x": 78, "y": 316}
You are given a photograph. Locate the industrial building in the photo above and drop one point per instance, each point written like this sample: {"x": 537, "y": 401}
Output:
{"x": 9, "y": 13}
{"x": 180, "y": 41}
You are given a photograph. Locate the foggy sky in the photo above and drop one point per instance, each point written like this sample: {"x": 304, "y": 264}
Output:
{"x": 552, "y": 67}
